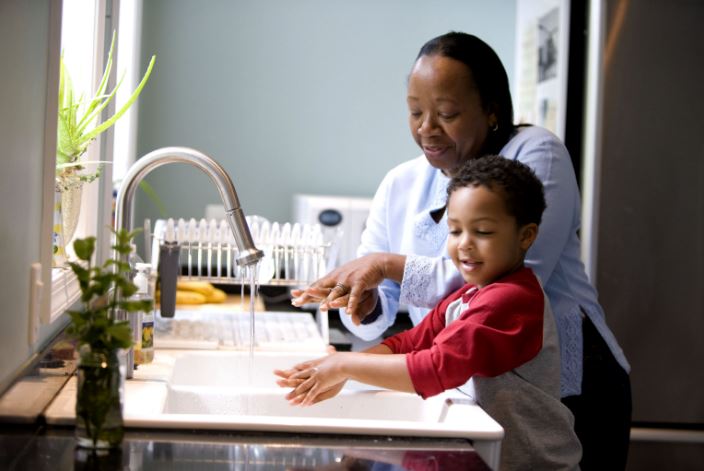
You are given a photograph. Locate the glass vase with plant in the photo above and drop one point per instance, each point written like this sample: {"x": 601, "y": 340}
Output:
{"x": 105, "y": 290}
{"x": 79, "y": 123}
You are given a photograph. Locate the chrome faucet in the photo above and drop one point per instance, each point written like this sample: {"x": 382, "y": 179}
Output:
{"x": 248, "y": 254}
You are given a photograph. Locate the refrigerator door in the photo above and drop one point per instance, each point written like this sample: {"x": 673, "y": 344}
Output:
{"x": 650, "y": 212}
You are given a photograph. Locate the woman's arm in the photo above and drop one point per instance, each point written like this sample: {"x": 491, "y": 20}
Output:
{"x": 427, "y": 280}
{"x": 360, "y": 276}
{"x": 372, "y": 281}
{"x": 550, "y": 161}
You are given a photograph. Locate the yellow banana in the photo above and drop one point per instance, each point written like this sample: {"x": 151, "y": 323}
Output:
{"x": 202, "y": 287}
{"x": 189, "y": 297}
{"x": 217, "y": 296}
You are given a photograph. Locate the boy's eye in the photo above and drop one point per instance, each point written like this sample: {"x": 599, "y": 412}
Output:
{"x": 483, "y": 233}
{"x": 454, "y": 232}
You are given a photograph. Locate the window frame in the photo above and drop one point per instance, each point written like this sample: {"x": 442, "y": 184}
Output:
{"x": 64, "y": 290}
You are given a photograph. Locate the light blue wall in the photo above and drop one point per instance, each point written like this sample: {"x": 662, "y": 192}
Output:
{"x": 304, "y": 96}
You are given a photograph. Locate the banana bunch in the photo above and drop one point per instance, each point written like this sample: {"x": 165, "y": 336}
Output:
{"x": 198, "y": 292}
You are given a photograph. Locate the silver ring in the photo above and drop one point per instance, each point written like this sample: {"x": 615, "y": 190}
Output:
{"x": 341, "y": 286}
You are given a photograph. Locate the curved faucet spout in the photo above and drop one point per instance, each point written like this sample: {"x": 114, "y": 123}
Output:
{"x": 248, "y": 253}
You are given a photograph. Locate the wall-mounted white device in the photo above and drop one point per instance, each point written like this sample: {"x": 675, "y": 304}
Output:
{"x": 343, "y": 219}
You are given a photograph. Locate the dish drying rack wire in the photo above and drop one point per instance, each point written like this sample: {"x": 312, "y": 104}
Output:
{"x": 294, "y": 254}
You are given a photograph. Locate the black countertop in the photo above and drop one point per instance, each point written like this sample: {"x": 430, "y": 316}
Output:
{"x": 24, "y": 447}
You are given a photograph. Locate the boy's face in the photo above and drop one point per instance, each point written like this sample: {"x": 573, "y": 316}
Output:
{"x": 485, "y": 242}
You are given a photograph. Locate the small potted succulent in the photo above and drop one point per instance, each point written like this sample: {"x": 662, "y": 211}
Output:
{"x": 100, "y": 337}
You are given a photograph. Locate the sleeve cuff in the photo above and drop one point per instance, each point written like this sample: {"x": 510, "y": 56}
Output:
{"x": 374, "y": 315}
{"x": 373, "y": 328}
{"x": 417, "y": 279}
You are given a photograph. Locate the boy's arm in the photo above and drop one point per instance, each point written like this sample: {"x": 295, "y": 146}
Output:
{"x": 384, "y": 370}
{"x": 501, "y": 330}
{"x": 383, "y": 365}
{"x": 421, "y": 336}
{"x": 323, "y": 378}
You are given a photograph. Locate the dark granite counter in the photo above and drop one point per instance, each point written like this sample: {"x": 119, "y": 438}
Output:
{"x": 24, "y": 447}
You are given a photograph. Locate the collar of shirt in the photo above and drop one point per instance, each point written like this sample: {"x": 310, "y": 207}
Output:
{"x": 469, "y": 294}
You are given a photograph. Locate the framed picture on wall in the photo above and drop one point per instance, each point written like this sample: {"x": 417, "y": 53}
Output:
{"x": 540, "y": 84}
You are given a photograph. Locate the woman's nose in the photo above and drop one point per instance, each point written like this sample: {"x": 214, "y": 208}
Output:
{"x": 427, "y": 126}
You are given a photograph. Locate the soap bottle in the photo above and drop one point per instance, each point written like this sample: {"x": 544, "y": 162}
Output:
{"x": 144, "y": 335}
{"x": 133, "y": 259}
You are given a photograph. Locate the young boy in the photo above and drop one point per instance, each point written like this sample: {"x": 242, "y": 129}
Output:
{"x": 494, "y": 338}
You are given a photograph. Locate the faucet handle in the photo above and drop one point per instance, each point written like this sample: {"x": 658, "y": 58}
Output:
{"x": 169, "y": 269}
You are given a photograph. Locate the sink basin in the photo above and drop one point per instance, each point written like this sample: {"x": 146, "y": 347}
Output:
{"x": 357, "y": 405}
{"x": 235, "y": 384}
{"x": 233, "y": 369}
{"x": 228, "y": 390}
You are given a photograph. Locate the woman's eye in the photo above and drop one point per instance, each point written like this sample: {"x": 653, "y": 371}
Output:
{"x": 448, "y": 115}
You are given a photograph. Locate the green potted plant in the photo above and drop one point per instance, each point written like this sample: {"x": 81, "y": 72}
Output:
{"x": 78, "y": 125}
{"x": 105, "y": 290}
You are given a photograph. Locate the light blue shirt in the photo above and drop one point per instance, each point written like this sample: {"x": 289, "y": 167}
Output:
{"x": 400, "y": 222}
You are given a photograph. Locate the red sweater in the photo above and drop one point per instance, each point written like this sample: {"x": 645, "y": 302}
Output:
{"x": 501, "y": 329}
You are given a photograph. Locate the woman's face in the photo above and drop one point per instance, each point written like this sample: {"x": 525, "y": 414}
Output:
{"x": 445, "y": 112}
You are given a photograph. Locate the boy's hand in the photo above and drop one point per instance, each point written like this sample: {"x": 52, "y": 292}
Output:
{"x": 312, "y": 381}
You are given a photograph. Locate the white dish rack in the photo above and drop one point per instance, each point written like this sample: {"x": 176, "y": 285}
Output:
{"x": 294, "y": 254}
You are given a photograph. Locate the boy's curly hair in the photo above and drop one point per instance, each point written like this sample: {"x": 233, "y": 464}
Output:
{"x": 521, "y": 189}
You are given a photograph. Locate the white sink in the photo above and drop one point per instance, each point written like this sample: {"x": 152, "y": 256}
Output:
{"x": 221, "y": 390}
{"x": 235, "y": 384}
{"x": 358, "y": 405}
{"x": 233, "y": 369}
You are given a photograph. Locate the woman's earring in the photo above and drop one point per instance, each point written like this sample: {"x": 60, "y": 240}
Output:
{"x": 495, "y": 127}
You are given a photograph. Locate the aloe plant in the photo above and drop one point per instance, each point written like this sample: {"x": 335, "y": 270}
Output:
{"x": 77, "y": 126}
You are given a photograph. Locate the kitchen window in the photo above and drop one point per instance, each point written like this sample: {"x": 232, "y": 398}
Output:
{"x": 86, "y": 32}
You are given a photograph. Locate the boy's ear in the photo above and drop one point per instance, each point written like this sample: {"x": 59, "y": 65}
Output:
{"x": 527, "y": 235}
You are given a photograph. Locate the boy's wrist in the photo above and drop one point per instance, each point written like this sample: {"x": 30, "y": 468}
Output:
{"x": 343, "y": 364}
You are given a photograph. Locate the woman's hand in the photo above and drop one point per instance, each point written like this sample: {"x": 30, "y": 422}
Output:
{"x": 312, "y": 381}
{"x": 353, "y": 285}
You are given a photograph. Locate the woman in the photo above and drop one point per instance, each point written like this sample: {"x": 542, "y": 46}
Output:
{"x": 459, "y": 109}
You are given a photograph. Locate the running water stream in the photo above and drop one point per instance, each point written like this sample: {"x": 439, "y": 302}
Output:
{"x": 250, "y": 273}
